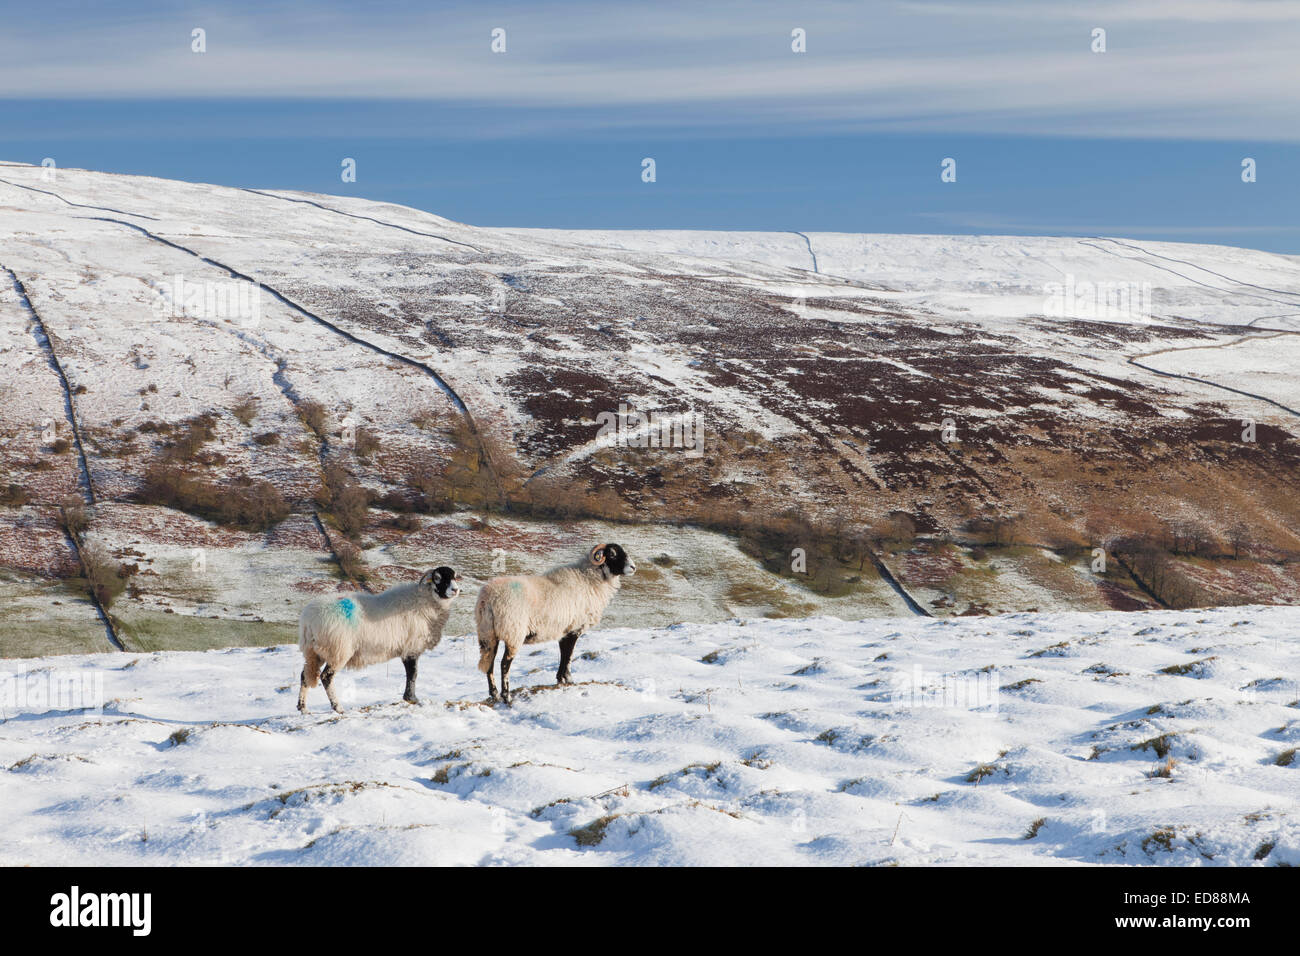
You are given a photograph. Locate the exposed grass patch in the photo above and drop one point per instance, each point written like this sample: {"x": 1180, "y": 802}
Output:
{"x": 1162, "y": 745}
{"x": 1191, "y": 667}
{"x": 709, "y": 770}
{"x": 1162, "y": 838}
{"x": 594, "y": 832}
{"x": 982, "y": 771}
{"x": 1022, "y": 684}
{"x": 1166, "y": 770}
{"x": 1053, "y": 650}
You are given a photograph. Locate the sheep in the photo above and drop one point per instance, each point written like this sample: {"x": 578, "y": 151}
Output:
{"x": 556, "y": 606}
{"x": 358, "y": 630}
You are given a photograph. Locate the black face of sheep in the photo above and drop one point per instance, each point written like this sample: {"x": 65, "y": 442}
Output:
{"x": 614, "y": 558}
{"x": 443, "y": 581}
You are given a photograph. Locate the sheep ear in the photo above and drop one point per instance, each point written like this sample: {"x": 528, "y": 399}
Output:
{"x": 426, "y": 578}
{"x": 598, "y": 554}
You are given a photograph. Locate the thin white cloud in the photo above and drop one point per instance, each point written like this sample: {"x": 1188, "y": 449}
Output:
{"x": 1193, "y": 68}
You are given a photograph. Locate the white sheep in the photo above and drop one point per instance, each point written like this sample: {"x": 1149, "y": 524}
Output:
{"x": 358, "y": 630}
{"x": 556, "y": 606}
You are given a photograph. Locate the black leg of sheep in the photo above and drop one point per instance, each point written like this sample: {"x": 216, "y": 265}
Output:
{"x": 506, "y": 660}
{"x": 327, "y": 679}
{"x": 567, "y": 643}
{"x": 409, "y": 694}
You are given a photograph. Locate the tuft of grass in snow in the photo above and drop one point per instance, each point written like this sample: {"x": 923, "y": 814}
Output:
{"x": 1162, "y": 745}
{"x": 982, "y": 771}
{"x": 1021, "y": 684}
{"x": 1286, "y": 757}
{"x": 1166, "y": 770}
{"x": 1052, "y": 650}
{"x": 1192, "y": 667}
{"x": 709, "y": 770}
{"x": 1162, "y": 838}
{"x": 594, "y": 832}
{"x": 1034, "y": 828}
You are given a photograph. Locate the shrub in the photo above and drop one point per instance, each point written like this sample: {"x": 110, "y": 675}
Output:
{"x": 13, "y": 496}
{"x": 349, "y": 507}
{"x": 105, "y": 576}
{"x": 245, "y": 409}
{"x": 346, "y": 500}
{"x": 407, "y": 523}
{"x": 60, "y": 446}
{"x": 247, "y": 504}
{"x": 72, "y": 516}
{"x": 351, "y": 563}
{"x": 367, "y": 443}
{"x": 194, "y": 434}
{"x": 430, "y": 486}
{"x": 313, "y": 416}
{"x": 267, "y": 438}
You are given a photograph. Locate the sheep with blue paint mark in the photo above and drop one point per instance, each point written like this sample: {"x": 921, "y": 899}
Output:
{"x": 357, "y": 630}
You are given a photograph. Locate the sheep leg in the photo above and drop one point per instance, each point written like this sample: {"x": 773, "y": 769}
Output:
{"x": 327, "y": 679}
{"x": 490, "y": 660}
{"x": 302, "y": 693}
{"x": 507, "y": 658}
{"x": 409, "y": 695}
{"x": 567, "y": 643}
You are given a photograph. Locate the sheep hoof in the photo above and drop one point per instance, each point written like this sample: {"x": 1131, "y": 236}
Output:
{"x": 563, "y": 679}
{"x": 338, "y": 710}
{"x": 412, "y": 699}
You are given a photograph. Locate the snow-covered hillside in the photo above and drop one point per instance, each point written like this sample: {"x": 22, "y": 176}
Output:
{"x": 1147, "y": 738}
{"x": 260, "y": 395}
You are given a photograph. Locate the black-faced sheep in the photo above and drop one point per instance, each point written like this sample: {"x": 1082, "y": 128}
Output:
{"x": 358, "y": 630}
{"x": 556, "y": 606}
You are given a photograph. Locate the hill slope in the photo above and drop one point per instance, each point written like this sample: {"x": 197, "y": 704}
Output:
{"x": 851, "y": 391}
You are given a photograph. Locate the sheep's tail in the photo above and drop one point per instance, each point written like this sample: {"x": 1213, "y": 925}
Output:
{"x": 311, "y": 661}
{"x": 487, "y": 636}
{"x": 311, "y": 666}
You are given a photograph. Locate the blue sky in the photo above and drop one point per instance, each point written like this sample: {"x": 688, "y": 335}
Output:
{"x": 1051, "y": 138}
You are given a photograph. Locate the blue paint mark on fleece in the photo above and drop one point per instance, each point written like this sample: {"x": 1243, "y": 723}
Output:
{"x": 516, "y": 585}
{"x": 348, "y": 607}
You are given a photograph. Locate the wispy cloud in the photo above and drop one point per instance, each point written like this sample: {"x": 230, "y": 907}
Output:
{"x": 1188, "y": 69}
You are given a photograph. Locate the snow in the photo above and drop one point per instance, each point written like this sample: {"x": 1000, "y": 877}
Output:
{"x": 746, "y": 742}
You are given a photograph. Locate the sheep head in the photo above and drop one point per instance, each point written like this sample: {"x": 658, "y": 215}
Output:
{"x": 442, "y": 582}
{"x": 613, "y": 560}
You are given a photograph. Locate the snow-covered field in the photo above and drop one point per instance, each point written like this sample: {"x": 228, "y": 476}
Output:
{"x": 1142, "y": 738}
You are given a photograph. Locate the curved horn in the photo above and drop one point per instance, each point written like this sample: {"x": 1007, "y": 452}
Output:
{"x": 598, "y": 554}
